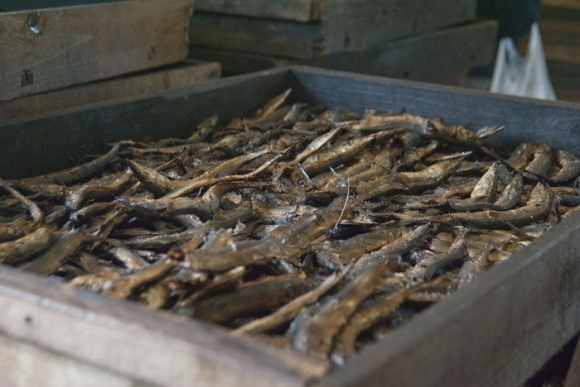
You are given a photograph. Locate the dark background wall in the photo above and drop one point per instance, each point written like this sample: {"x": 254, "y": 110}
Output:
{"x": 17, "y": 5}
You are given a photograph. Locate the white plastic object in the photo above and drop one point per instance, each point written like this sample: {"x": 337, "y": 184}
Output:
{"x": 524, "y": 76}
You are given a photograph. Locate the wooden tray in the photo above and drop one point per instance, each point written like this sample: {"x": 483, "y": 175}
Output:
{"x": 315, "y": 28}
{"x": 496, "y": 331}
{"x": 51, "y": 48}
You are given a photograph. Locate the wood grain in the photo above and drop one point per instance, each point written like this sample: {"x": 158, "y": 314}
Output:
{"x": 125, "y": 339}
{"x": 52, "y": 48}
{"x": 561, "y": 36}
{"x": 430, "y": 57}
{"x": 133, "y": 85}
{"x": 17, "y": 359}
{"x": 345, "y": 25}
{"x": 297, "y": 10}
{"x": 569, "y": 4}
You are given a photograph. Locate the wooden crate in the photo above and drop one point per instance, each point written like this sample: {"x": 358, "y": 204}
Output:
{"x": 52, "y": 48}
{"x": 308, "y": 29}
{"x": 496, "y": 331}
{"x": 443, "y": 56}
{"x": 126, "y": 86}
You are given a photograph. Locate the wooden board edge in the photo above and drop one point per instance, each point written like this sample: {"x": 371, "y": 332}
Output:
{"x": 568, "y": 4}
{"x": 300, "y": 11}
{"x": 57, "y": 54}
{"x": 405, "y": 62}
{"x": 108, "y": 90}
{"x": 128, "y": 340}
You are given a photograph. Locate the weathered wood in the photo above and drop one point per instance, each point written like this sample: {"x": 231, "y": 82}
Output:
{"x": 345, "y": 25}
{"x": 570, "y": 4}
{"x": 431, "y": 57}
{"x": 128, "y": 340}
{"x": 496, "y": 331}
{"x": 17, "y": 359}
{"x": 57, "y": 47}
{"x": 298, "y": 10}
{"x": 573, "y": 375}
{"x": 133, "y": 85}
{"x": 560, "y": 38}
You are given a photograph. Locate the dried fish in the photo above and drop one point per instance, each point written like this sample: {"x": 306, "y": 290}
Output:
{"x": 74, "y": 173}
{"x": 302, "y": 225}
{"x": 251, "y": 300}
{"x": 290, "y": 310}
{"x": 315, "y": 335}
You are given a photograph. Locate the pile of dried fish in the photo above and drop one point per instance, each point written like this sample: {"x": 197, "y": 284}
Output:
{"x": 304, "y": 226}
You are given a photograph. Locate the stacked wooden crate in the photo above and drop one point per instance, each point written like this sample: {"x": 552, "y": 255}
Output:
{"x": 415, "y": 39}
{"x": 560, "y": 28}
{"x": 55, "y": 48}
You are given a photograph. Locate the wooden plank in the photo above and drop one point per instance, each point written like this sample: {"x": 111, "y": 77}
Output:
{"x": 426, "y": 57}
{"x": 297, "y": 10}
{"x": 127, "y": 340}
{"x": 57, "y": 47}
{"x": 346, "y": 25}
{"x": 17, "y": 359}
{"x": 262, "y": 36}
{"x": 430, "y": 57}
{"x": 573, "y": 375}
{"x": 560, "y": 38}
{"x": 354, "y": 25}
{"x": 126, "y": 86}
{"x": 569, "y": 4}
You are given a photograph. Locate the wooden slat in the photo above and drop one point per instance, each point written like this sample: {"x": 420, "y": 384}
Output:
{"x": 262, "y": 36}
{"x": 126, "y": 86}
{"x": 429, "y": 57}
{"x": 53, "y": 48}
{"x": 569, "y": 4}
{"x": 17, "y": 359}
{"x": 297, "y": 10}
{"x": 130, "y": 341}
{"x": 426, "y": 57}
{"x": 346, "y": 25}
{"x": 354, "y": 25}
{"x": 561, "y": 39}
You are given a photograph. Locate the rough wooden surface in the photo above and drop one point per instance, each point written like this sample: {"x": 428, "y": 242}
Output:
{"x": 430, "y": 57}
{"x": 345, "y": 25}
{"x": 53, "y": 48}
{"x": 146, "y": 347}
{"x": 17, "y": 359}
{"x": 298, "y": 10}
{"x": 497, "y": 331}
{"x": 570, "y": 4}
{"x": 561, "y": 38}
{"x": 181, "y": 75}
